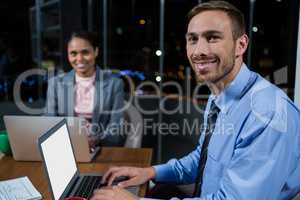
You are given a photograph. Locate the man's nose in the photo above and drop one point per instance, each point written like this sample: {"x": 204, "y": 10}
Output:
{"x": 201, "y": 48}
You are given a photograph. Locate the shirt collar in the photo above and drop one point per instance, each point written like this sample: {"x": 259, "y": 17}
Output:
{"x": 85, "y": 79}
{"x": 233, "y": 91}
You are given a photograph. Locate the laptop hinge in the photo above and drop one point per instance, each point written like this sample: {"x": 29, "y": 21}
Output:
{"x": 70, "y": 188}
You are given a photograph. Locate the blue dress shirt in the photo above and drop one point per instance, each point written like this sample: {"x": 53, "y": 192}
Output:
{"x": 254, "y": 152}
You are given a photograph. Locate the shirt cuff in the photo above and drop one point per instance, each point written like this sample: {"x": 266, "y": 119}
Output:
{"x": 163, "y": 173}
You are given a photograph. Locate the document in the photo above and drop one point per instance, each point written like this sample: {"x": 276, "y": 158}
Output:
{"x": 18, "y": 189}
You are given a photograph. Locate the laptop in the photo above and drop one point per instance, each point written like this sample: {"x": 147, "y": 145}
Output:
{"x": 64, "y": 178}
{"x": 24, "y": 131}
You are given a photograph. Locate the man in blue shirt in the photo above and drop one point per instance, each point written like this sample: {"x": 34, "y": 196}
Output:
{"x": 254, "y": 150}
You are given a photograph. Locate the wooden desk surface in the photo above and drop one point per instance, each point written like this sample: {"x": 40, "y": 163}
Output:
{"x": 109, "y": 156}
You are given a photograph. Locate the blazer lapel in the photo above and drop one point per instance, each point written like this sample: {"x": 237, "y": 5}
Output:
{"x": 100, "y": 84}
{"x": 69, "y": 94}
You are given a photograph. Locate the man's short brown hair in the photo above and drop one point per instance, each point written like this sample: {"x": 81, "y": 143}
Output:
{"x": 236, "y": 16}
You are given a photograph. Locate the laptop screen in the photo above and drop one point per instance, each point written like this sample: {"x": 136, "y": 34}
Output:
{"x": 59, "y": 160}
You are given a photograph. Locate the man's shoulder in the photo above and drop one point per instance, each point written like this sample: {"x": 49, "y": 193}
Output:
{"x": 267, "y": 100}
{"x": 265, "y": 94}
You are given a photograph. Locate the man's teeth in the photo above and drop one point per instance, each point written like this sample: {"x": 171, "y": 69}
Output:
{"x": 207, "y": 62}
{"x": 203, "y": 65}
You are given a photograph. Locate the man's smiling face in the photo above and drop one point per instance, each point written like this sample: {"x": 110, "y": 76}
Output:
{"x": 211, "y": 48}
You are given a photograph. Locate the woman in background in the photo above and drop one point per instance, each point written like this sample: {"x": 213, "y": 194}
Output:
{"x": 88, "y": 92}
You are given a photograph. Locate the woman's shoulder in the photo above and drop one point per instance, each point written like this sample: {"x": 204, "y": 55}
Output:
{"x": 63, "y": 77}
{"x": 110, "y": 76}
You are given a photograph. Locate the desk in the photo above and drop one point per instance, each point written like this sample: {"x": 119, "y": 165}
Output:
{"x": 109, "y": 156}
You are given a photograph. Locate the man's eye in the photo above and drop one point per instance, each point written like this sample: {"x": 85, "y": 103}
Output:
{"x": 192, "y": 39}
{"x": 73, "y": 54}
{"x": 212, "y": 38}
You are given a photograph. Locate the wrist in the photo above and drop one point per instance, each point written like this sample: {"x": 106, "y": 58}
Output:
{"x": 151, "y": 173}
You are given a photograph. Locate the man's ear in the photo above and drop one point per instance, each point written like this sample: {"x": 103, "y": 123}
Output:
{"x": 241, "y": 45}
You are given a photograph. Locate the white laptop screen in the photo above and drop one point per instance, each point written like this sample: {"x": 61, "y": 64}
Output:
{"x": 59, "y": 160}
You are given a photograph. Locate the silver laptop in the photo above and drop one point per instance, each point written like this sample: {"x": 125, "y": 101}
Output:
{"x": 64, "y": 178}
{"x": 24, "y": 131}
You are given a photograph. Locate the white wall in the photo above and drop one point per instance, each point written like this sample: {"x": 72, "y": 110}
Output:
{"x": 297, "y": 78}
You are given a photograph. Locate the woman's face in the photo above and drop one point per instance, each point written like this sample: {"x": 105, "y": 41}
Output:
{"x": 82, "y": 56}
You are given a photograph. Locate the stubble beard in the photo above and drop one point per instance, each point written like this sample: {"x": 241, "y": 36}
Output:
{"x": 219, "y": 75}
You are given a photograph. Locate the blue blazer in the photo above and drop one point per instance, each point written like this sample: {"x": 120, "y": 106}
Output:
{"x": 108, "y": 104}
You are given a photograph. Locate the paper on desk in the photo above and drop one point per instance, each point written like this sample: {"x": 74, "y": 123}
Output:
{"x": 18, "y": 189}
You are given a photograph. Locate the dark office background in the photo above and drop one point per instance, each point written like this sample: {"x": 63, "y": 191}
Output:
{"x": 133, "y": 39}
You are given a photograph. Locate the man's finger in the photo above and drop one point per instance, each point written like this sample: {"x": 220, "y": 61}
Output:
{"x": 109, "y": 173}
{"x": 102, "y": 194}
{"x": 115, "y": 175}
{"x": 128, "y": 183}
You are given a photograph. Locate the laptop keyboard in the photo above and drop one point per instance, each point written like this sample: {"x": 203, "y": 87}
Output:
{"x": 87, "y": 186}
{"x": 90, "y": 183}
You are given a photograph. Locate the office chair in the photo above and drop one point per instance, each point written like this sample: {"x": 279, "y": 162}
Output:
{"x": 134, "y": 132}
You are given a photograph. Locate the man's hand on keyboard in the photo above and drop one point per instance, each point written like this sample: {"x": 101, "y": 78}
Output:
{"x": 136, "y": 176}
{"x": 113, "y": 193}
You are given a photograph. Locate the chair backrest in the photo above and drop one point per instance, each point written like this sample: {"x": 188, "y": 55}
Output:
{"x": 134, "y": 125}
